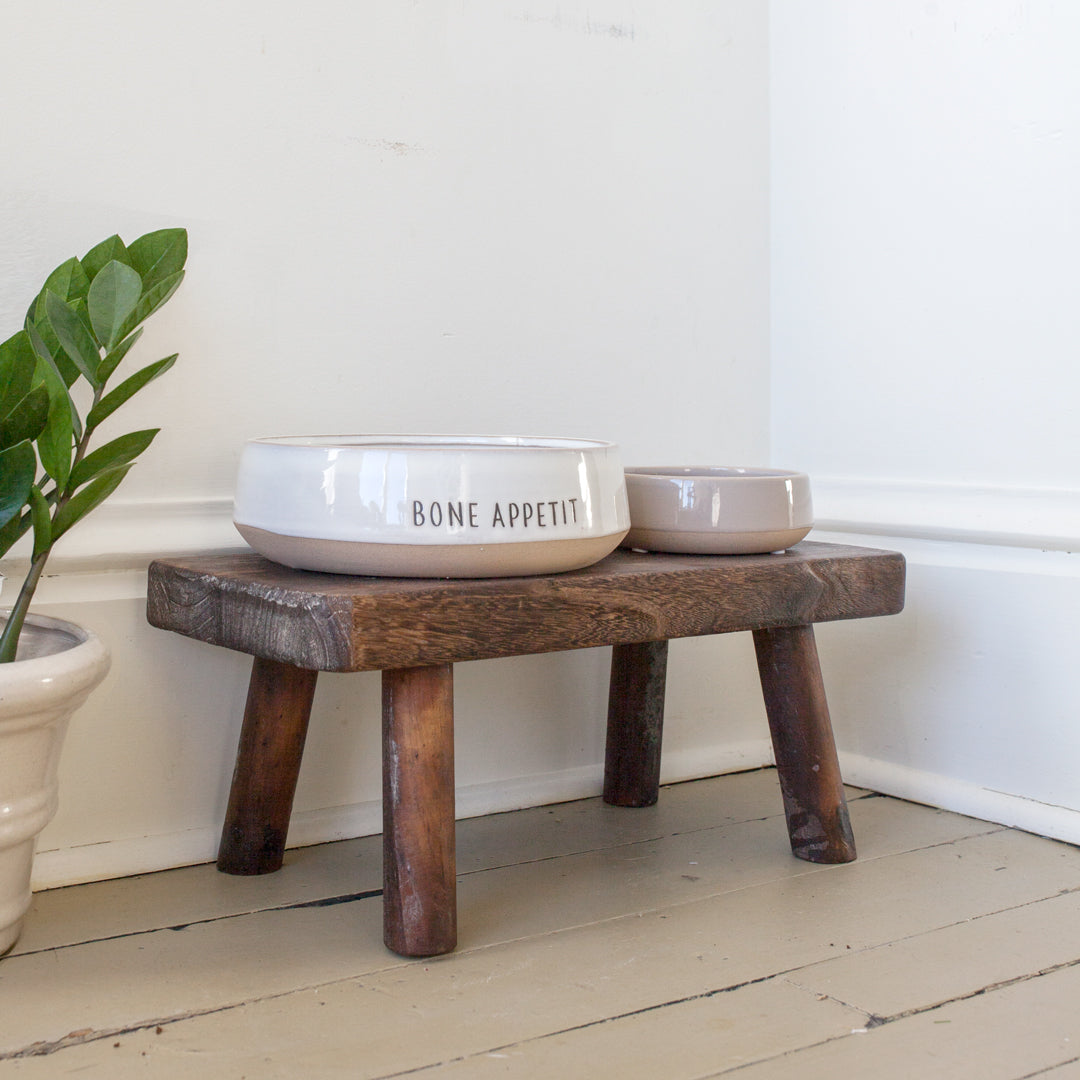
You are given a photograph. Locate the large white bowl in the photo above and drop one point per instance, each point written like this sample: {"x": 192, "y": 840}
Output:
{"x": 723, "y": 510}
{"x": 431, "y": 505}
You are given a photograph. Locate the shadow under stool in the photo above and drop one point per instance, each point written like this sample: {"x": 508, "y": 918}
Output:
{"x": 296, "y": 623}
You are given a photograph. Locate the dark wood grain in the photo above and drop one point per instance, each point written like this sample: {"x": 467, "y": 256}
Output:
{"x": 635, "y": 724}
{"x": 813, "y": 791}
{"x": 339, "y": 623}
{"x": 267, "y": 766}
{"x": 419, "y": 863}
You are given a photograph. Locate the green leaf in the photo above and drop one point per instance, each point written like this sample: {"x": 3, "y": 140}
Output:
{"x": 114, "y": 292}
{"x": 112, "y": 361}
{"x": 26, "y": 418}
{"x": 68, "y": 280}
{"x": 74, "y": 338}
{"x": 130, "y": 386}
{"x": 56, "y": 442}
{"x": 46, "y": 343}
{"x": 118, "y": 452}
{"x": 104, "y": 253}
{"x": 50, "y": 367}
{"x": 17, "y": 363}
{"x": 79, "y": 306}
{"x": 159, "y": 255}
{"x": 91, "y": 496}
{"x": 18, "y": 466}
{"x": 39, "y": 518}
{"x": 151, "y": 300}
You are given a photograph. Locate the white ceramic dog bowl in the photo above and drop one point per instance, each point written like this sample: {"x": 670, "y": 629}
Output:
{"x": 717, "y": 511}
{"x": 431, "y": 505}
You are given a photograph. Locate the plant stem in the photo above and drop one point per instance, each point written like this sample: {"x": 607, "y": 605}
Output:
{"x": 9, "y": 639}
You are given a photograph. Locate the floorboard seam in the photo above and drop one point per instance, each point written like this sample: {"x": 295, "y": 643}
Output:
{"x": 44, "y": 1048}
{"x": 372, "y": 893}
{"x": 990, "y": 988}
{"x": 645, "y": 1009}
{"x": 349, "y": 897}
{"x": 616, "y": 847}
{"x": 875, "y": 1021}
{"x": 91, "y": 1035}
{"x": 328, "y": 901}
{"x": 1049, "y": 1069}
{"x": 935, "y": 930}
{"x": 805, "y": 868}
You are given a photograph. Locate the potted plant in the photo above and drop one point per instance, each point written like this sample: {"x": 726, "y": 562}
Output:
{"x": 56, "y": 390}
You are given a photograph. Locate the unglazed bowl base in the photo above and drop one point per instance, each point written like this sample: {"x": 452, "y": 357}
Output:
{"x": 713, "y": 543}
{"x": 517, "y": 559}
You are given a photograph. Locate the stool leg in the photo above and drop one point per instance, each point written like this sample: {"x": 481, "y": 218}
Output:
{"x": 267, "y": 766}
{"x": 817, "y": 814}
{"x": 419, "y": 867}
{"x": 635, "y": 723}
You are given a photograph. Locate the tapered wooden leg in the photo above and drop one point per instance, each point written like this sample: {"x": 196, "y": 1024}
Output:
{"x": 267, "y": 766}
{"x": 419, "y": 867}
{"x": 635, "y": 723}
{"x": 817, "y": 814}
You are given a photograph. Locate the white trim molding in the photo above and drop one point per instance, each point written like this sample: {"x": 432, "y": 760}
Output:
{"x": 146, "y": 528}
{"x": 962, "y": 797}
{"x": 125, "y": 534}
{"x": 1033, "y": 517}
{"x": 126, "y": 856}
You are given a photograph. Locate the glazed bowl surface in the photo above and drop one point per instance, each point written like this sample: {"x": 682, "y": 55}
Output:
{"x": 431, "y": 505}
{"x": 717, "y": 510}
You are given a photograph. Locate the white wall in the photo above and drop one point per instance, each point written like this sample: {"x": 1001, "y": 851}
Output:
{"x": 556, "y": 218}
{"x": 546, "y": 218}
{"x": 925, "y": 332}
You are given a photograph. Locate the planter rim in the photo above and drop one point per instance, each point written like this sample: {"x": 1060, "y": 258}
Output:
{"x": 74, "y": 665}
{"x": 80, "y": 634}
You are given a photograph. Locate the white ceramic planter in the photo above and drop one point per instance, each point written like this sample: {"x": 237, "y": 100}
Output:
{"x": 431, "y": 505}
{"x": 58, "y": 665}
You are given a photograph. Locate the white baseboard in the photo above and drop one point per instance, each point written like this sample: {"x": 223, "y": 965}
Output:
{"x": 127, "y": 856}
{"x": 962, "y": 797}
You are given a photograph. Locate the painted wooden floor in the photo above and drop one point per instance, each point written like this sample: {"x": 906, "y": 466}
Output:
{"x": 680, "y": 941}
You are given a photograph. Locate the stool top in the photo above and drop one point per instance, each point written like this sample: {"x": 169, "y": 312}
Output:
{"x": 331, "y": 622}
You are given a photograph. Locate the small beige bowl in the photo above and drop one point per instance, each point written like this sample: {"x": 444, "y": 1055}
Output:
{"x": 720, "y": 510}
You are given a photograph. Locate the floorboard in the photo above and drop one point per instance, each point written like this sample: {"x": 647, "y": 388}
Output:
{"x": 681, "y": 941}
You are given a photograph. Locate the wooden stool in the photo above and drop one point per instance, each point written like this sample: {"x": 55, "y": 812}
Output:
{"x": 297, "y": 623}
